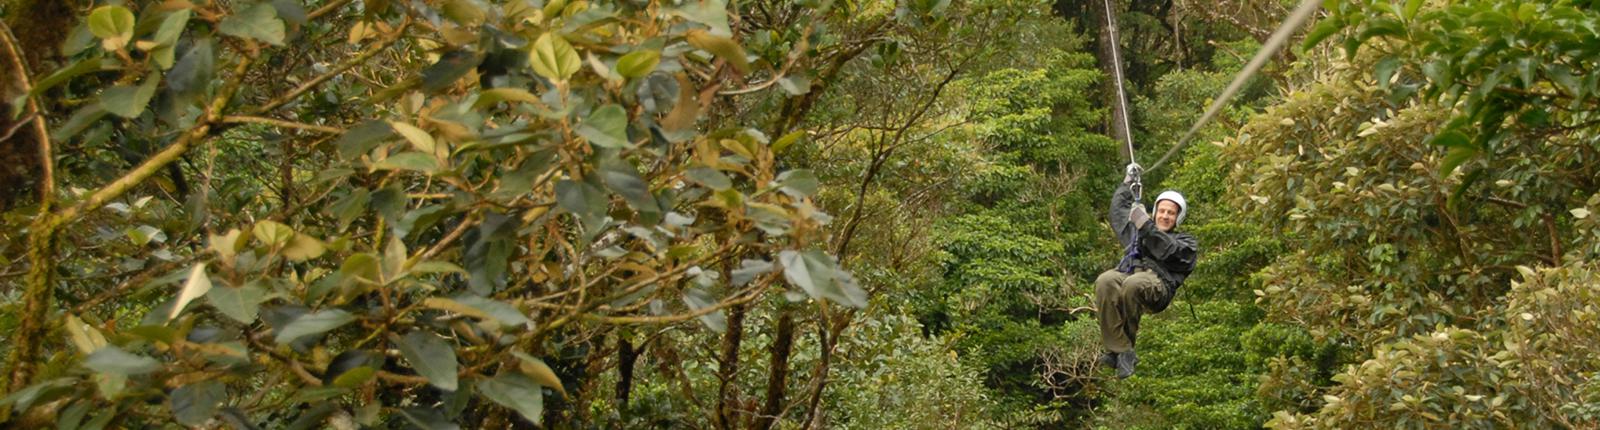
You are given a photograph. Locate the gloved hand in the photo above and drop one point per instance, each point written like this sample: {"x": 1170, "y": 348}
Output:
{"x": 1132, "y": 174}
{"x": 1138, "y": 216}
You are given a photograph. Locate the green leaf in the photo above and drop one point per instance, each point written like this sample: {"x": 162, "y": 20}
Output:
{"x": 197, "y": 285}
{"x": 623, "y": 179}
{"x": 304, "y": 248}
{"x": 313, "y": 324}
{"x": 450, "y": 68}
{"x": 1456, "y": 157}
{"x": 350, "y": 207}
{"x": 77, "y": 68}
{"x": 113, "y": 25}
{"x": 411, "y": 160}
{"x": 23, "y": 399}
{"x": 419, "y": 139}
{"x": 464, "y": 12}
{"x": 720, "y": 46}
{"x": 394, "y": 258}
{"x": 193, "y": 72}
{"x": 490, "y": 97}
{"x": 431, "y": 357}
{"x": 362, "y": 138}
{"x": 354, "y": 377}
{"x": 166, "y": 37}
{"x": 129, "y": 101}
{"x": 259, "y": 21}
{"x": 272, "y": 233}
{"x": 698, "y": 299}
{"x": 638, "y": 63}
{"x": 799, "y": 183}
{"x": 80, "y": 120}
{"x": 1327, "y": 27}
{"x": 1412, "y": 6}
{"x": 540, "y": 372}
{"x": 1562, "y": 75}
{"x": 499, "y": 311}
{"x": 242, "y": 304}
{"x": 1451, "y": 139}
{"x": 712, "y": 13}
{"x": 1384, "y": 70}
{"x": 143, "y": 234}
{"x": 820, "y": 277}
{"x": 709, "y": 177}
{"x": 784, "y": 142}
{"x": 113, "y": 360}
{"x": 437, "y": 267}
{"x": 606, "y": 127}
{"x": 427, "y": 419}
{"x": 516, "y": 392}
{"x": 553, "y": 58}
{"x": 196, "y": 403}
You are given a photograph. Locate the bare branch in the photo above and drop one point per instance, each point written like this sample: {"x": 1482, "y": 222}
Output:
{"x": 246, "y": 119}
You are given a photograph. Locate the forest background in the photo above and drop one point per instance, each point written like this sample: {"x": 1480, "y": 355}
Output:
{"x": 790, "y": 214}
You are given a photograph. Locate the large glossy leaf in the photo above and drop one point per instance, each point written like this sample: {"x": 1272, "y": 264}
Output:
{"x": 553, "y": 58}
{"x": 362, "y": 138}
{"x": 257, "y": 21}
{"x": 313, "y": 324}
{"x": 113, "y": 25}
{"x": 192, "y": 73}
{"x": 197, "y": 285}
{"x": 432, "y": 358}
{"x": 638, "y": 63}
{"x": 450, "y": 68}
{"x": 721, "y": 46}
{"x": 819, "y": 276}
{"x": 419, "y": 139}
{"x": 166, "y": 37}
{"x": 196, "y": 403}
{"x": 488, "y": 248}
{"x": 129, "y": 101}
{"x": 536, "y": 368}
{"x": 606, "y": 127}
{"x": 623, "y": 179}
{"x": 516, "y": 392}
{"x": 241, "y": 304}
{"x": 411, "y": 160}
{"x": 64, "y": 74}
{"x": 113, "y": 360}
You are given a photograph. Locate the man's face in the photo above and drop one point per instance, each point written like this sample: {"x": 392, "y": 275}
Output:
{"x": 1166, "y": 215}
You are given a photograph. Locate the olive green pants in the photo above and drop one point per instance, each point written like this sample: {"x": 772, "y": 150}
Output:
{"x": 1121, "y": 299}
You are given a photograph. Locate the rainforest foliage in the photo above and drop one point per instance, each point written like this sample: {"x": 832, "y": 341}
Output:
{"x": 789, "y": 214}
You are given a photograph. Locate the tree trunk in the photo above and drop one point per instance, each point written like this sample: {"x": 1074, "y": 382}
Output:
{"x": 728, "y": 366}
{"x": 626, "y": 356}
{"x": 778, "y": 380}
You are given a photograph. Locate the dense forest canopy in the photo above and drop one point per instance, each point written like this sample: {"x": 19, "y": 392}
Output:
{"x": 789, "y": 214}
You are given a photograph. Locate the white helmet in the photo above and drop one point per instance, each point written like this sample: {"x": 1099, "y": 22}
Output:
{"x": 1183, "y": 206}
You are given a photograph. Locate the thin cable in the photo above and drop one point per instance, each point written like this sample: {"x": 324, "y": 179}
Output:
{"x": 1296, "y": 18}
{"x": 1116, "y": 66}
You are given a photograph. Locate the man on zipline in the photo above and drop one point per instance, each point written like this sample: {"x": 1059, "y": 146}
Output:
{"x": 1156, "y": 259}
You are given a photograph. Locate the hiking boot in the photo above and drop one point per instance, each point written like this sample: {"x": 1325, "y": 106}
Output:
{"x": 1108, "y": 359}
{"x": 1125, "y": 363}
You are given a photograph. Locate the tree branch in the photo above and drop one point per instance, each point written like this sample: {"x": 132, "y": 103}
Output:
{"x": 388, "y": 41}
{"x": 246, "y": 119}
{"x": 47, "y": 181}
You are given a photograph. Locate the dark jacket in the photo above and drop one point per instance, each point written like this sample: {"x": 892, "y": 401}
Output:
{"x": 1171, "y": 255}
